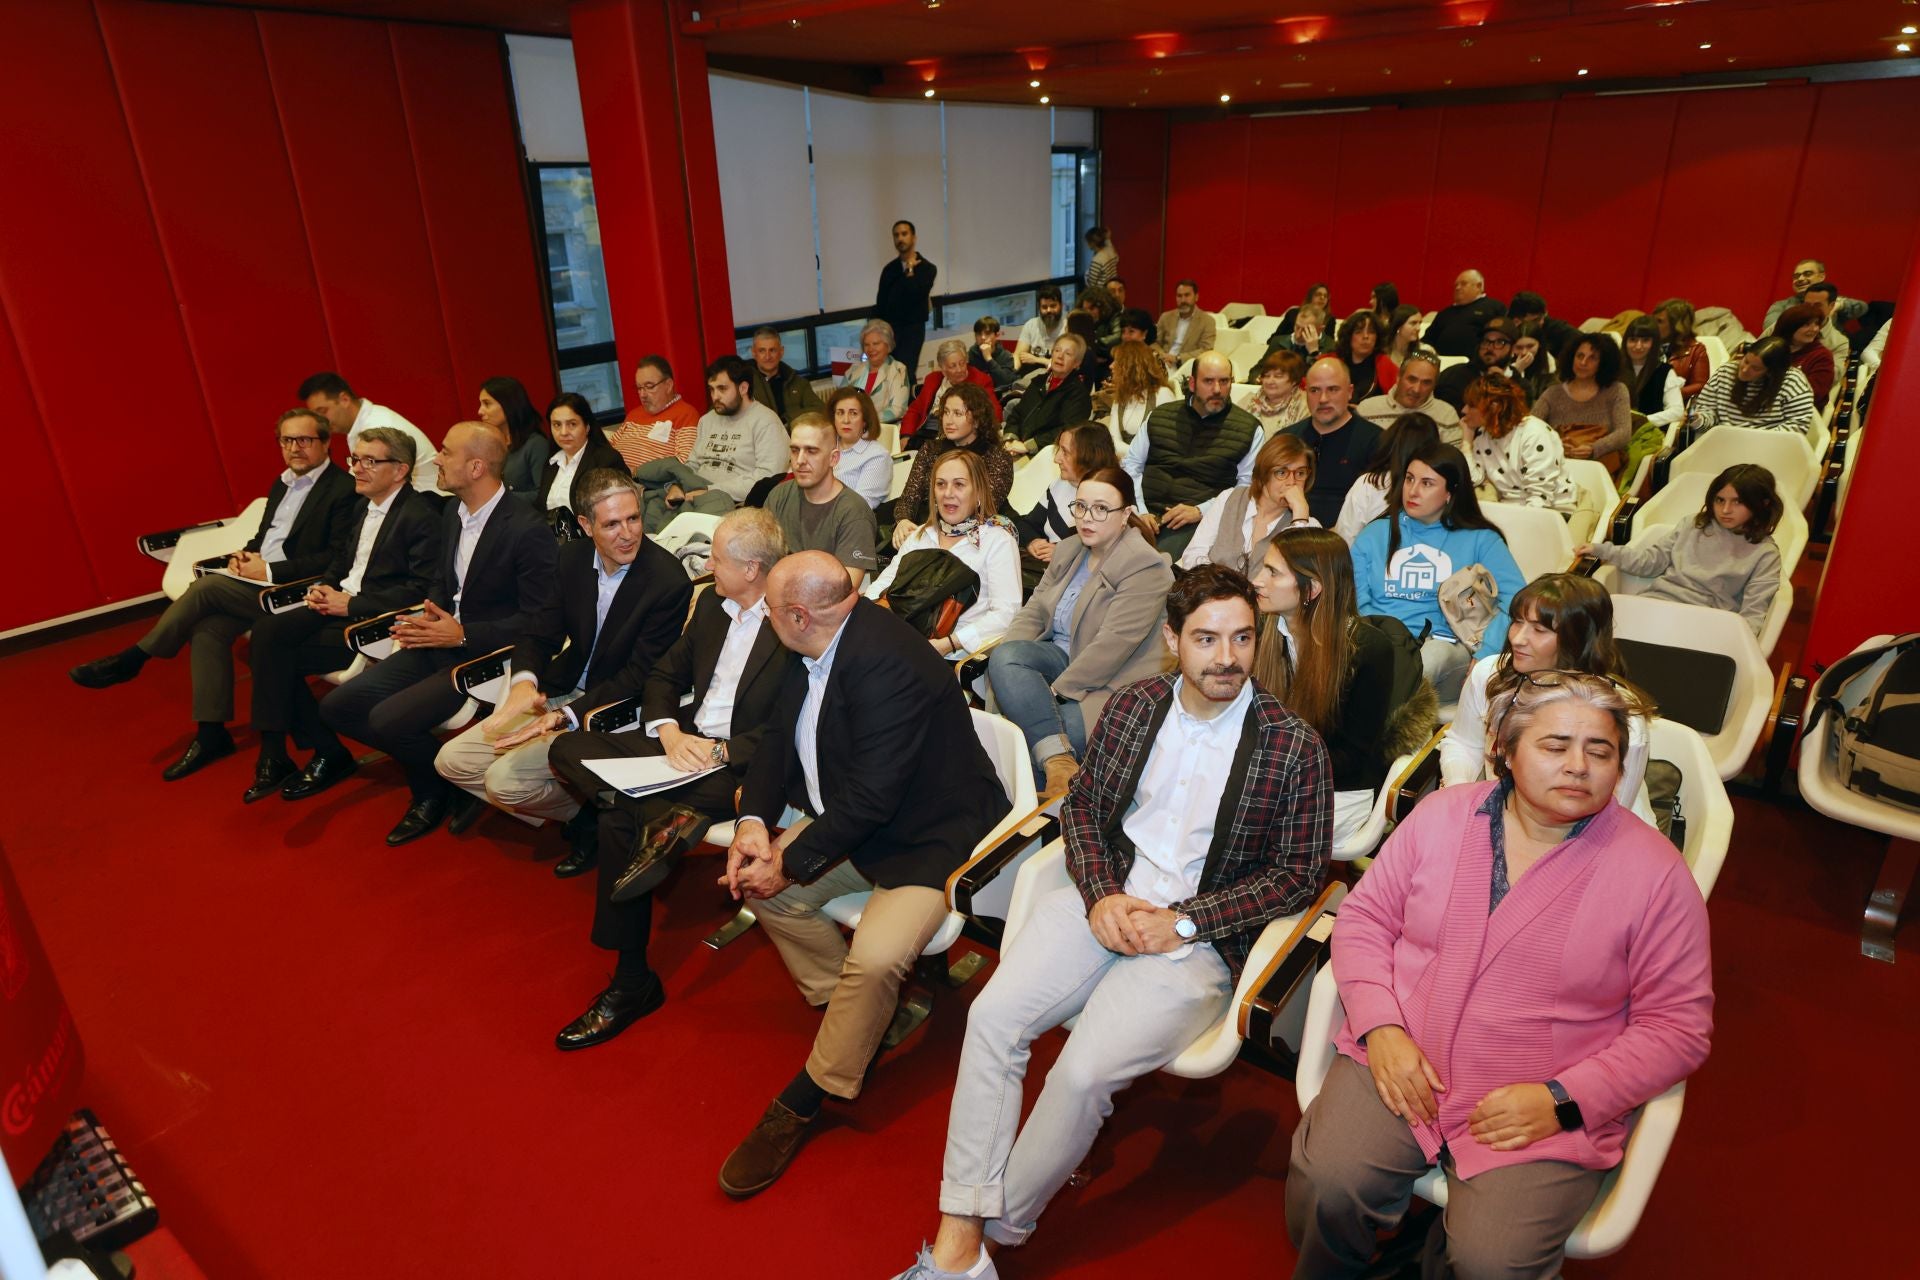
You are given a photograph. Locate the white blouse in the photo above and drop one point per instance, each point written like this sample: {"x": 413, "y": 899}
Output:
{"x": 865, "y": 468}
{"x": 1127, "y": 419}
{"x": 560, "y": 492}
{"x": 1366, "y": 502}
{"x": 994, "y": 554}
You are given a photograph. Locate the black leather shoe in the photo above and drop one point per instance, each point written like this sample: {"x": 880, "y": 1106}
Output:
{"x": 104, "y": 673}
{"x": 612, "y": 1011}
{"x": 463, "y": 811}
{"x": 321, "y": 772}
{"x": 578, "y": 862}
{"x": 196, "y": 757}
{"x": 423, "y": 817}
{"x": 661, "y": 845}
{"x": 268, "y": 777}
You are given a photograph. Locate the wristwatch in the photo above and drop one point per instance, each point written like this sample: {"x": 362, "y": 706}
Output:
{"x": 1565, "y": 1109}
{"x": 719, "y": 753}
{"x": 1186, "y": 928}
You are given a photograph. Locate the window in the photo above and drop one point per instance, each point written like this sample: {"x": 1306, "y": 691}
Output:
{"x": 1076, "y": 206}
{"x": 577, "y": 283}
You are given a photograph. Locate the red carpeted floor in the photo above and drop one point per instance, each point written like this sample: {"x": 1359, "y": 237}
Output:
{"x": 328, "y": 1059}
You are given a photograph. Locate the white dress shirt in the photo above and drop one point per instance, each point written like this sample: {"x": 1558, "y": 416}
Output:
{"x": 363, "y": 551}
{"x": 1213, "y": 510}
{"x": 471, "y": 523}
{"x": 298, "y": 487}
{"x": 565, "y": 468}
{"x": 1171, "y": 821}
{"x": 806, "y": 730}
{"x": 866, "y": 468}
{"x": 713, "y": 719}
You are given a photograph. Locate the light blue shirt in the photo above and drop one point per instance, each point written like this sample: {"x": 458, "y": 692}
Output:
{"x": 298, "y": 487}
{"x": 1063, "y": 612}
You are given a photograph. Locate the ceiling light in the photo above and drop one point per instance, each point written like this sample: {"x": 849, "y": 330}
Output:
{"x": 1910, "y": 31}
{"x": 1044, "y": 99}
{"x": 1706, "y": 44}
{"x": 793, "y": 22}
{"x": 929, "y": 93}
{"x": 1582, "y": 71}
{"x": 1903, "y": 47}
{"x": 1226, "y": 97}
{"x": 1033, "y": 84}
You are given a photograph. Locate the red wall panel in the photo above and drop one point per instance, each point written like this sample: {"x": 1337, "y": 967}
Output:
{"x": 56, "y": 578}
{"x": 1210, "y": 197}
{"x": 353, "y": 166}
{"x": 1291, "y": 208}
{"x": 461, "y": 124}
{"x": 1858, "y": 194}
{"x": 1486, "y": 199}
{"x": 200, "y": 109}
{"x": 1382, "y": 202}
{"x": 91, "y": 308}
{"x": 1133, "y": 196}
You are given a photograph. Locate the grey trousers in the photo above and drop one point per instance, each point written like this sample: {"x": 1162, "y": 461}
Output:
{"x": 1137, "y": 1013}
{"x": 1354, "y": 1166}
{"x": 655, "y": 476}
{"x": 206, "y": 620}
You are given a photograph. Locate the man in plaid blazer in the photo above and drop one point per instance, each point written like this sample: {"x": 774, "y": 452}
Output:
{"x": 1202, "y": 810}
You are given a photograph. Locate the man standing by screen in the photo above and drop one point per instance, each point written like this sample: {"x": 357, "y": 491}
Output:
{"x": 906, "y": 285}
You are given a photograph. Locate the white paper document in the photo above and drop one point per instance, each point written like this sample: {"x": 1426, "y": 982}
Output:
{"x": 643, "y": 775}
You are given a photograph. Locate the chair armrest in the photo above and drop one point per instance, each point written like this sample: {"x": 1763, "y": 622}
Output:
{"x": 1790, "y": 711}
{"x": 1662, "y": 466}
{"x": 1621, "y": 531}
{"x": 1421, "y": 775}
{"x": 613, "y": 717}
{"x": 1038, "y": 829}
{"x": 159, "y": 546}
{"x": 212, "y": 564}
{"x": 1286, "y": 965}
{"x": 284, "y": 597}
{"x": 1586, "y": 566}
{"x": 362, "y": 636}
{"x": 975, "y": 662}
{"x": 474, "y": 672}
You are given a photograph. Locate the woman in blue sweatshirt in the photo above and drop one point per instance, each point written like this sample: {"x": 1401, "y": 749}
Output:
{"x": 1433, "y": 529}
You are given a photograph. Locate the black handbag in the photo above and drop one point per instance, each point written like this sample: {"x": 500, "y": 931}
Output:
{"x": 931, "y": 589}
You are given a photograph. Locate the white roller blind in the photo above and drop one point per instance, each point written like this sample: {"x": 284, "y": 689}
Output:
{"x": 998, "y": 196}
{"x": 874, "y": 163}
{"x": 1072, "y": 127}
{"x": 760, "y": 136}
{"x": 546, "y": 90}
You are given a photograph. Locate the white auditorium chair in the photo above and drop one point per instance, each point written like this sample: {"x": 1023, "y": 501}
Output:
{"x": 890, "y": 438}
{"x": 1686, "y": 494}
{"x": 1594, "y": 324}
{"x": 1363, "y": 842}
{"x": 1623, "y": 1197}
{"x": 1599, "y": 493}
{"x": 1447, "y": 362}
{"x": 1821, "y": 788}
{"x": 205, "y": 542}
{"x": 1241, "y": 310}
{"x": 1716, "y": 352}
{"x": 1819, "y": 435}
{"x": 1785, "y": 453}
{"x": 1260, "y": 330}
{"x": 1244, "y": 358}
{"x": 1619, "y": 583}
{"x": 1031, "y": 482}
{"x": 1703, "y": 666}
{"x": 482, "y": 679}
{"x": 1242, "y": 393}
{"x": 902, "y": 468}
{"x": 684, "y": 528}
{"x": 1537, "y": 537}
{"x": 1227, "y": 341}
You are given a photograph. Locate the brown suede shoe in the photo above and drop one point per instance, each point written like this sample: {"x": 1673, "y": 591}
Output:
{"x": 1060, "y": 770}
{"x": 760, "y": 1160}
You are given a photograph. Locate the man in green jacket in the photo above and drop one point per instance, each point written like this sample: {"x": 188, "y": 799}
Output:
{"x": 777, "y": 386}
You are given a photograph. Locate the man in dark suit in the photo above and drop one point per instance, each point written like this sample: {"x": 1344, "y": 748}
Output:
{"x": 622, "y": 600}
{"x": 871, "y": 766}
{"x": 308, "y": 517}
{"x": 706, "y": 702}
{"x": 386, "y": 563}
{"x": 492, "y": 586}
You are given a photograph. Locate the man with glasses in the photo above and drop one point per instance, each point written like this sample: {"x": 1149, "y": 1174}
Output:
{"x": 386, "y": 563}
{"x": 1342, "y": 440}
{"x": 1454, "y": 329}
{"x": 1806, "y": 273}
{"x": 1413, "y": 393}
{"x": 1494, "y": 354}
{"x": 1191, "y": 449}
{"x": 308, "y": 516}
{"x": 661, "y": 425}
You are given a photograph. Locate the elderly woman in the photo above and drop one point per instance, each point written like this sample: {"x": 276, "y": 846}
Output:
{"x": 967, "y": 523}
{"x": 950, "y": 369}
{"x": 885, "y": 380}
{"x": 966, "y": 422}
{"x": 1523, "y": 966}
{"x": 1235, "y": 525}
{"x": 864, "y": 465}
{"x": 1281, "y": 401}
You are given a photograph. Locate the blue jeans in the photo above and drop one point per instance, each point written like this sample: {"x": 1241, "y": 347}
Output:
{"x": 1022, "y": 673}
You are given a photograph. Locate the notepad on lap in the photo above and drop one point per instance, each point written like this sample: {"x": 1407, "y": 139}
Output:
{"x": 643, "y": 775}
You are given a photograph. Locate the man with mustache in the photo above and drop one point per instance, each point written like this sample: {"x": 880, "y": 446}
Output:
{"x": 1146, "y": 946}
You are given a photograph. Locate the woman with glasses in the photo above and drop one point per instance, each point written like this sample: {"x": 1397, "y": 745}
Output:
{"x": 1524, "y": 965}
{"x": 1091, "y": 626}
{"x": 1234, "y": 525}
{"x": 1559, "y": 621}
{"x": 504, "y": 406}
{"x": 1081, "y": 450}
{"x": 885, "y": 380}
{"x": 580, "y": 447}
{"x": 1331, "y": 669}
{"x": 967, "y": 523}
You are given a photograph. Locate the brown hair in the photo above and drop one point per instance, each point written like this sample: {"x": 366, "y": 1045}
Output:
{"x": 1314, "y": 683}
{"x": 1579, "y": 612}
{"x": 1204, "y": 585}
{"x": 1679, "y": 314}
{"x": 979, "y": 405}
{"x": 1277, "y": 453}
{"x": 1282, "y": 361}
{"x": 1122, "y": 483}
{"x": 1502, "y": 403}
{"x": 1757, "y": 493}
{"x": 868, "y": 414}
{"x": 1092, "y": 447}
{"x": 976, "y": 476}
{"x": 1137, "y": 373}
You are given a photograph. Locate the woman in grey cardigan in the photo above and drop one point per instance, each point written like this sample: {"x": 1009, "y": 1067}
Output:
{"x": 1090, "y": 627}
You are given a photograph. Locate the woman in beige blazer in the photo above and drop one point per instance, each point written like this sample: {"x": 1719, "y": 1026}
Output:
{"x": 1091, "y": 626}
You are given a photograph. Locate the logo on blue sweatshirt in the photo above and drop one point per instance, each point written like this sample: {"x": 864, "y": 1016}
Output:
{"x": 1416, "y": 572}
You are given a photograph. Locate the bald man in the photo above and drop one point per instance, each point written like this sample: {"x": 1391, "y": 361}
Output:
{"x": 1341, "y": 439}
{"x": 870, "y": 765}
{"x": 1455, "y": 331}
{"x": 493, "y": 587}
{"x": 1191, "y": 450}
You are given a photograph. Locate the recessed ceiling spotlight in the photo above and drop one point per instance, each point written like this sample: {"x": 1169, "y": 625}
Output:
{"x": 1582, "y": 71}
{"x": 1448, "y": 80}
{"x": 1299, "y": 57}
{"x": 1226, "y": 97}
{"x": 1706, "y": 44}
{"x": 1386, "y": 71}
{"x": 793, "y": 22}
{"x": 1910, "y": 31}
{"x": 1903, "y": 47}
{"x": 1466, "y": 42}
{"x": 1044, "y": 99}
{"x": 933, "y": 4}
{"x": 1664, "y": 22}
{"x": 1298, "y": 84}
{"x": 929, "y": 93}
{"x": 1533, "y": 57}
{"x": 1033, "y": 84}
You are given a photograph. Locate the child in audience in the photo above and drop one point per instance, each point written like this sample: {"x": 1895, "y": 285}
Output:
{"x": 966, "y": 523}
{"x": 1515, "y": 453}
{"x": 1557, "y": 622}
{"x": 1368, "y": 498}
{"x": 1725, "y": 558}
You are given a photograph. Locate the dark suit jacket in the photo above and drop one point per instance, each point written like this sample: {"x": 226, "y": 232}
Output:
{"x": 405, "y": 550}
{"x": 595, "y": 455}
{"x": 688, "y": 666}
{"x": 907, "y": 788}
{"x": 511, "y": 588}
{"x": 648, "y": 607}
{"x": 324, "y": 523}
{"x": 1039, "y": 415}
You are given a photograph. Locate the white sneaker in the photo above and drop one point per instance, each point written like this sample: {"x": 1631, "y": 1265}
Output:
{"x": 923, "y": 1268}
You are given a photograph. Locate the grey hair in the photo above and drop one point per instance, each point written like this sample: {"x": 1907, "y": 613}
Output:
{"x": 951, "y": 347}
{"x": 882, "y": 328}
{"x": 753, "y": 537}
{"x": 1423, "y": 353}
{"x": 398, "y": 443}
{"x": 599, "y": 485}
{"x": 1514, "y": 712}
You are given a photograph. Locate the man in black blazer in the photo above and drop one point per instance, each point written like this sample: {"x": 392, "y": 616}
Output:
{"x": 707, "y": 701}
{"x": 871, "y": 765}
{"x": 493, "y": 585}
{"x": 308, "y": 517}
{"x": 386, "y": 563}
{"x": 622, "y": 601}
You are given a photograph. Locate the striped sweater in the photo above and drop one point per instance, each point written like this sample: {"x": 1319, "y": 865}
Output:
{"x": 1593, "y": 971}
{"x": 1792, "y": 408}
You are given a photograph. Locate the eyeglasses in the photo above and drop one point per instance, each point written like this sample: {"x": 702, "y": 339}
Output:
{"x": 298, "y": 442}
{"x": 366, "y": 460}
{"x": 1295, "y": 473}
{"x": 650, "y": 387}
{"x": 1091, "y": 510}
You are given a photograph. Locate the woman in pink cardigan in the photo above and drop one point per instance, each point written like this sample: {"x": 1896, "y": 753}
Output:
{"x": 1524, "y": 965}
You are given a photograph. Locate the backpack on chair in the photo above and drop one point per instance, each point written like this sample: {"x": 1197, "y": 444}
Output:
{"x": 1874, "y": 697}
{"x": 1416, "y": 708}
